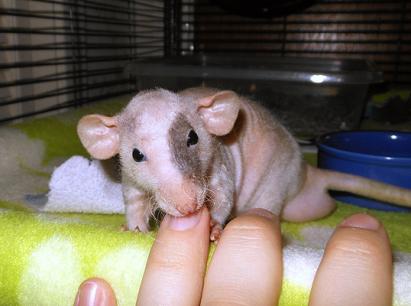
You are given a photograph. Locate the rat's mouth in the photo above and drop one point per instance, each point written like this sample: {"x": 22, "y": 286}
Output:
{"x": 185, "y": 211}
{"x": 179, "y": 212}
{"x": 184, "y": 205}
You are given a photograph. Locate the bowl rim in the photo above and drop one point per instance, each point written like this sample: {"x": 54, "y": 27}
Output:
{"x": 363, "y": 157}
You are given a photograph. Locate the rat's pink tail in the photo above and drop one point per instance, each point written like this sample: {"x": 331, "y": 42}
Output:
{"x": 366, "y": 187}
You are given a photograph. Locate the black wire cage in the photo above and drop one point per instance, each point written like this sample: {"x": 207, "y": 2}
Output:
{"x": 56, "y": 54}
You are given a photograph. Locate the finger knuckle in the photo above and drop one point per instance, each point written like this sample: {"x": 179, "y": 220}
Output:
{"x": 357, "y": 248}
{"x": 250, "y": 230}
{"x": 171, "y": 257}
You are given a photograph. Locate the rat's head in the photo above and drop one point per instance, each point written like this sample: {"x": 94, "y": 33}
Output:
{"x": 166, "y": 143}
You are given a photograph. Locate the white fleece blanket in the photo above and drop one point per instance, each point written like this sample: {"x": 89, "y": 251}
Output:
{"x": 87, "y": 186}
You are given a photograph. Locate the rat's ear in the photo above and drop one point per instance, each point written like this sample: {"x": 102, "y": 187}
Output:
{"x": 99, "y": 135}
{"x": 219, "y": 112}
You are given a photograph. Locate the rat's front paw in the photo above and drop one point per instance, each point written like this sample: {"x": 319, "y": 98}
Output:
{"x": 136, "y": 226}
{"x": 216, "y": 230}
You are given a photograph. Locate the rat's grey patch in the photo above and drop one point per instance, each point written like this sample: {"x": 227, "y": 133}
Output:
{"x": 186, "y": 157}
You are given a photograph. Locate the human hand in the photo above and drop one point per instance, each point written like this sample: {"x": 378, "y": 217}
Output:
{"x": 246, "y": 268}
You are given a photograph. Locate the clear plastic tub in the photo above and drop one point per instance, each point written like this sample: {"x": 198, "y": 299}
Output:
{"x": 310, "y": 96}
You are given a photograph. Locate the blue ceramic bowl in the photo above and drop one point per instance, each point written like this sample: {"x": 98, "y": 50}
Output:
{"x": 379, "y": 155}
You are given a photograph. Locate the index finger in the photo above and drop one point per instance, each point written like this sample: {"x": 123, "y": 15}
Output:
{"x": 176, "y": 265}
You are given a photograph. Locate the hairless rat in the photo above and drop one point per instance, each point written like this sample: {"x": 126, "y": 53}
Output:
{"x": 202, "y": 146}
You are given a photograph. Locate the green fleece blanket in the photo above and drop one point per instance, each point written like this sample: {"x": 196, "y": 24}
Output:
{"x": 45, "y": 256}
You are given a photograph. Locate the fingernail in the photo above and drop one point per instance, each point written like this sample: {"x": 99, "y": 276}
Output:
{"x": 261, "y": 212}
{"x": 91, "y": 294}
{"x": 184, "y": 223}
{"x": 361, "y": 221}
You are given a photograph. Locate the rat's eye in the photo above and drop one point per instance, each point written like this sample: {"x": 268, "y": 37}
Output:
{"x": 192, "y": 138}
{"x": 138, "y": 156}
